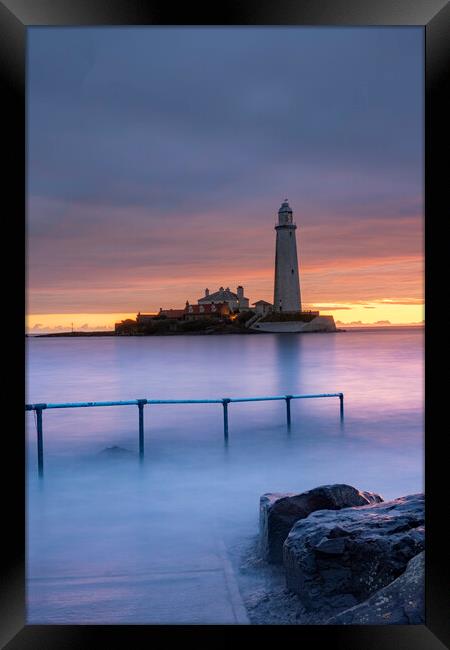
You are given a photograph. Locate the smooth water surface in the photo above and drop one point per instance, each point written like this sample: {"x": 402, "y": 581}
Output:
{"x": 112, "y": 540}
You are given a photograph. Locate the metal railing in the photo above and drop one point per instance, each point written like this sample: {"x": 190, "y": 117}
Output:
{"x": 140, "y": 403}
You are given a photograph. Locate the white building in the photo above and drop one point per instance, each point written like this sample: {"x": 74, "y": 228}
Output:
{"x": 262, "y": 307}
{"x": 287, "y": 283}
{"x": 236, "y": 301}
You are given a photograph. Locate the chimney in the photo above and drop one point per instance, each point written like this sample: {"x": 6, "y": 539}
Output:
{"x": 240, "y": 292}
{"x": 206, "y": 293}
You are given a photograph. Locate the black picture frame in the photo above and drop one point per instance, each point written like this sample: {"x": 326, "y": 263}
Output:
{"x": 434, "y": 16}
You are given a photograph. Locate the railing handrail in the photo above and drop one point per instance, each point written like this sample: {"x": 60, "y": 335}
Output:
{"x": 136, "y": 402}
{"x": 140, "y": 403}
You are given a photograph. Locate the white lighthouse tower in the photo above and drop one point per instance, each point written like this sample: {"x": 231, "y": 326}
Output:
{"x": 287, "y": 283}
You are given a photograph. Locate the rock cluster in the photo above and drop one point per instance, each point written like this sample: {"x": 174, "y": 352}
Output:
{"x": 348, "y": 554}
{"x": 279, "y": 512}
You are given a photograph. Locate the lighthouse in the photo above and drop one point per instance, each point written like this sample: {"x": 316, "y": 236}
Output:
{"x": 286, "y": 315}
{"x": 287, "y": 283}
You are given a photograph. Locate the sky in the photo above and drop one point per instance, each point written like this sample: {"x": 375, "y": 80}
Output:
{"x": 158, "y": 158}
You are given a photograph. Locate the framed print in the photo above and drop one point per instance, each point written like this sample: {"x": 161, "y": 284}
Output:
{"x": 226, "y": 392}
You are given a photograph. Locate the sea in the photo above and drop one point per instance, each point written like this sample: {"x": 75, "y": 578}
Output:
{"x": 115, "y": 540}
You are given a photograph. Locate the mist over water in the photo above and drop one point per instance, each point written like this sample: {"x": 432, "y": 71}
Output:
{"x": 106, "y": 535}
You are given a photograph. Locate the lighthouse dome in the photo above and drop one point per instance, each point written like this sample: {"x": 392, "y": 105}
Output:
{"x": 285, "y": 207}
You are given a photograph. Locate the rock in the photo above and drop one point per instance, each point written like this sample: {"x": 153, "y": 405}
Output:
{"x": 402, "y": 602}
{"x": 115, "y": 452}
{"x": 279, "y": 512}
{"x": 339, "y": 559}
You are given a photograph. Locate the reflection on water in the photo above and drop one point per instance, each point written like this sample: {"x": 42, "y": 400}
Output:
{"x": 96, "y": 518}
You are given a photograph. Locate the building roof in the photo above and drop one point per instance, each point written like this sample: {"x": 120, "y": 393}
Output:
{"x": 223, "y": 295}
{"x": 262, "y": 302}
{"x": 172, "y": 313}
{"x": 145, "y": 316}
{"x": 205, "y": 309}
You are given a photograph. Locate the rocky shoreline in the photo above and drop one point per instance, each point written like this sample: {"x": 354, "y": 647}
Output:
{"x": 336, "y": 555}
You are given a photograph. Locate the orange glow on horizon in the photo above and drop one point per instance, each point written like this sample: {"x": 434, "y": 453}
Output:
{"x": 376, "y": 313}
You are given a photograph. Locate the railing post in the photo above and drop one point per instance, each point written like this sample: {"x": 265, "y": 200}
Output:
{"x": 288, "y": 411}
{"x": 141, "y": 403}
{"x": 225, "y": 403}
{"x": 40, "y": 440}
{"x": 341, "y": 405}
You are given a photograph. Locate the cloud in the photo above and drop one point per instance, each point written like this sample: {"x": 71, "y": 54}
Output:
{"x": 405, "y": 301}
{"x": 329, "y": 307}
{"x": 156, "y": 170}
{"x": 355, "y": 322}
{"x": 362, "y": 324}
{"x": 38, "y": 328}
{"x": 379, "y": 323}
{"x": 124, "y": 260}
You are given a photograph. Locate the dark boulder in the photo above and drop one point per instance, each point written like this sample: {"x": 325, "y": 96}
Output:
{"x": 115, "y": 452}
{"x": 279, "y": 512}
{"x": 402, "y": 602}
{"x": 339, "y": 559}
